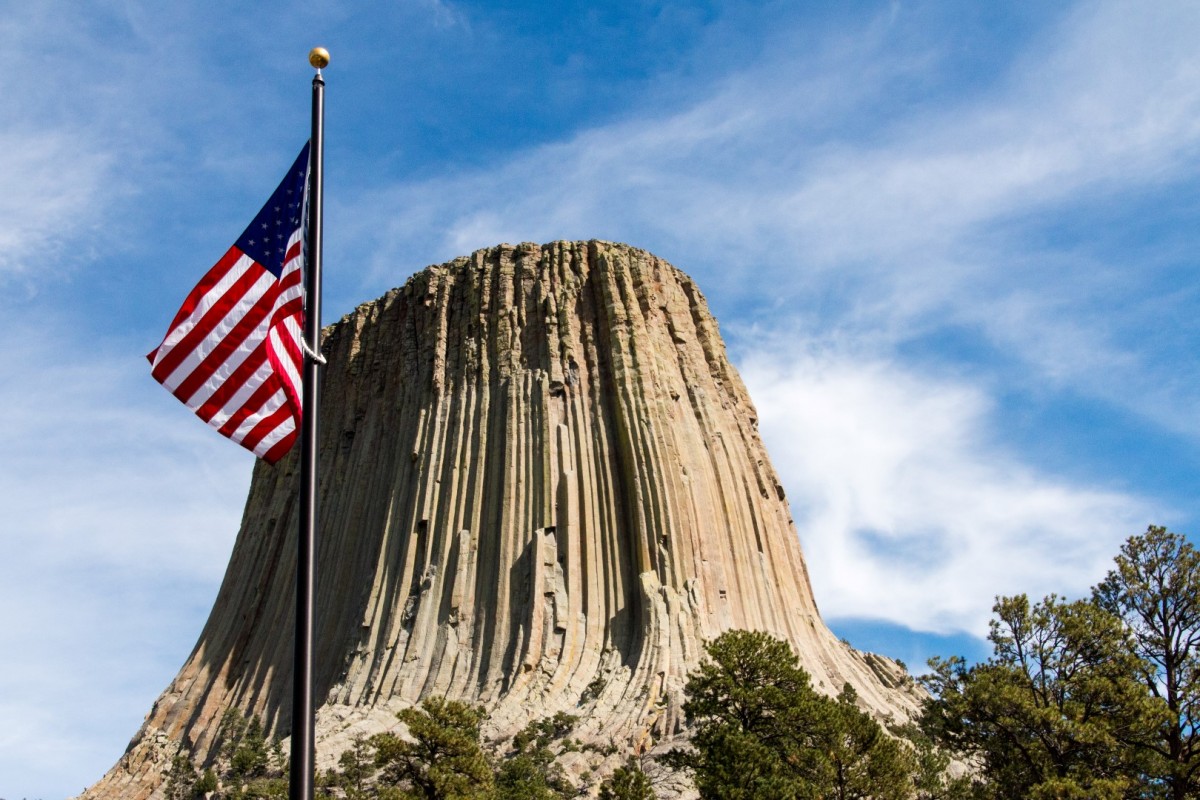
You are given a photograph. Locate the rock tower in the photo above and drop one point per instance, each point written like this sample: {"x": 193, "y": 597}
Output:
{"x": 542, "y": 488}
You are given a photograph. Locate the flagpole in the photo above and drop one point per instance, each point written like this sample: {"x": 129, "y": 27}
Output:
{"x": 303, "y": 750}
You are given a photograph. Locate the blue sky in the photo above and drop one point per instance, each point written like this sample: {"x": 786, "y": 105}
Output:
{"x": 953, "y": 250}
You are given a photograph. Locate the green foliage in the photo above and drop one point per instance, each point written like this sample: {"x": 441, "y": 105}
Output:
{"x": 861, "y": 759}
{"x": 1085, "y": 700}
{"x": 207, "y": 783}
{"x": 1097, "y": 698}
{"x": 251, "y": 756}
{"x": 540, "y": 733}
{"x": 627, "y": 783}
{"x": 443, "y": 761}
{"x": 256, "y": 767}
{"x": 527, "y": 777}
{"x": 593, "y": 690}
{"x": 1155, "y": 588}
{"x": 763, "y": 733}
{"x": 355, "y": 773}
{"x": 181, "y": 779}
{"x": 264, "y": 788}
{"x": 532, "y": 773}
{"x": 1054, "y": 712}
{"x": 932, "y": 776}
{"x": 248, "y": 766}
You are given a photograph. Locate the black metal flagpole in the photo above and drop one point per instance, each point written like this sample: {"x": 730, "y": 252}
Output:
{"x": 301, "y": 778}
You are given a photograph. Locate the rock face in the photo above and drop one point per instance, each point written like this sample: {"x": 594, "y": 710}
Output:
{"x": 542, "y": 488}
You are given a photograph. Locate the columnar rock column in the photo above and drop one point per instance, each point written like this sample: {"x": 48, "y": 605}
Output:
{"x": 542, "y": 488}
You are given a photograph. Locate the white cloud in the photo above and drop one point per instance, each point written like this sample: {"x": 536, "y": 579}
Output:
{"x": 763, "y": 184}
{"x": 909, "y": 509}
{"x": 444, "y": 14}
{"x": 1100, "y": 100}
{"x": 99, "y": 469}
{"x": 52, "y": 183}
{"x": 64, "y": 163}
{"x": 119, "y": 513}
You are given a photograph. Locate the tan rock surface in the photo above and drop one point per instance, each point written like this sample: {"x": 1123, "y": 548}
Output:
{"x": 542, "y": 489}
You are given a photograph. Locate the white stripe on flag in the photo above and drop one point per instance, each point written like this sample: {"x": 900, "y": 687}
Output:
{"x": 221, "y": 330}
{"x": 273, "y": 404}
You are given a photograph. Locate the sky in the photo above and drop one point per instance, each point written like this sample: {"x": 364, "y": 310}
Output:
{"x": 953, "y": 249}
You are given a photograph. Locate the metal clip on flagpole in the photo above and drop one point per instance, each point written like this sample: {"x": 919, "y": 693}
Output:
{"x": 300, "y": 786}
{"x": 311, "y": 353}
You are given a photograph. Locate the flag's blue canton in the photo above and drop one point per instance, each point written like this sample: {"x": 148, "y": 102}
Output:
{"x": 265, "y": 240}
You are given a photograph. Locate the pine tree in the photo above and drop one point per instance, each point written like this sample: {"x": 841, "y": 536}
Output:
{"x": 1054, "y": 712}
{"x": 181, "y": 778}
{"x": 763, "y": 733}
{"x": 532, "y": 772}
{"x": 629, "y": 782}
{"x": 443, "y": 761}
{"x": 1155, "y": 588}
{"x": 861, "y": 760}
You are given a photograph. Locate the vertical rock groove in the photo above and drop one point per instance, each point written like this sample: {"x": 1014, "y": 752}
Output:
{"x": 542, "y": 488}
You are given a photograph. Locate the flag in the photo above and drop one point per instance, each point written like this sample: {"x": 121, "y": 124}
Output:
{"x": 233, "y": 353}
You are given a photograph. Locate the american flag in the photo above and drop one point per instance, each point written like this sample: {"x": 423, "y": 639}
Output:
{"x": 233, "y": 354}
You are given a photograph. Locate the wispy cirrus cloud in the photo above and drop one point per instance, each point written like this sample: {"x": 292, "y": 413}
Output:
{"x": 1097, "y": 102}
{"x": 910, "y": 507}
{"x": 51, "y": 191}
{"x": 119, "y": 513}
{"x": 932, "y": 218}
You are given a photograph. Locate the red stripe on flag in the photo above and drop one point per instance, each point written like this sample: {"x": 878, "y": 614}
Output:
{"x": 265, "y": 426}
{"x": 240, "y": 337}
{"x": 291, "y": 348}
{"x": 296, "y": 358}
{"x": 208, "y": 323}
{"x": 210, "y": 279}
{"x": 235, "y": 340}
{"x": 280, "y": 448}
{"x": 252, "y": 405}
{"x": 233, "y": 384}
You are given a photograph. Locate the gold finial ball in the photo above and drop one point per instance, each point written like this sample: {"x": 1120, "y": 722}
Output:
{"x": 318, "y": 57}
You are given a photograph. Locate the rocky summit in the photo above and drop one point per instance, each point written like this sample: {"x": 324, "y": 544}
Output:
{"x": 542, "y": 489}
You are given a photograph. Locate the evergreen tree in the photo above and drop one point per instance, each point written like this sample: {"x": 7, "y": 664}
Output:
{"x": 629, "y": 782}
{"x": 251, "y": 753}
{"x": 1155, "y": 588}
{"x": 443, "y": 761}
{"x": 861, "y": 760}
{"x": 1054, "y": 712}
{"x": 356, "y": 770}
{"x": 181, "y": 778}
{"x": 251, "y": 766}
{"x": 763, "y": 733}
{"x": 532, "y": 772}
{"x": 932, "y": 775}
{"x": 527, "y": 777}
{"x": 247, "y": 766}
